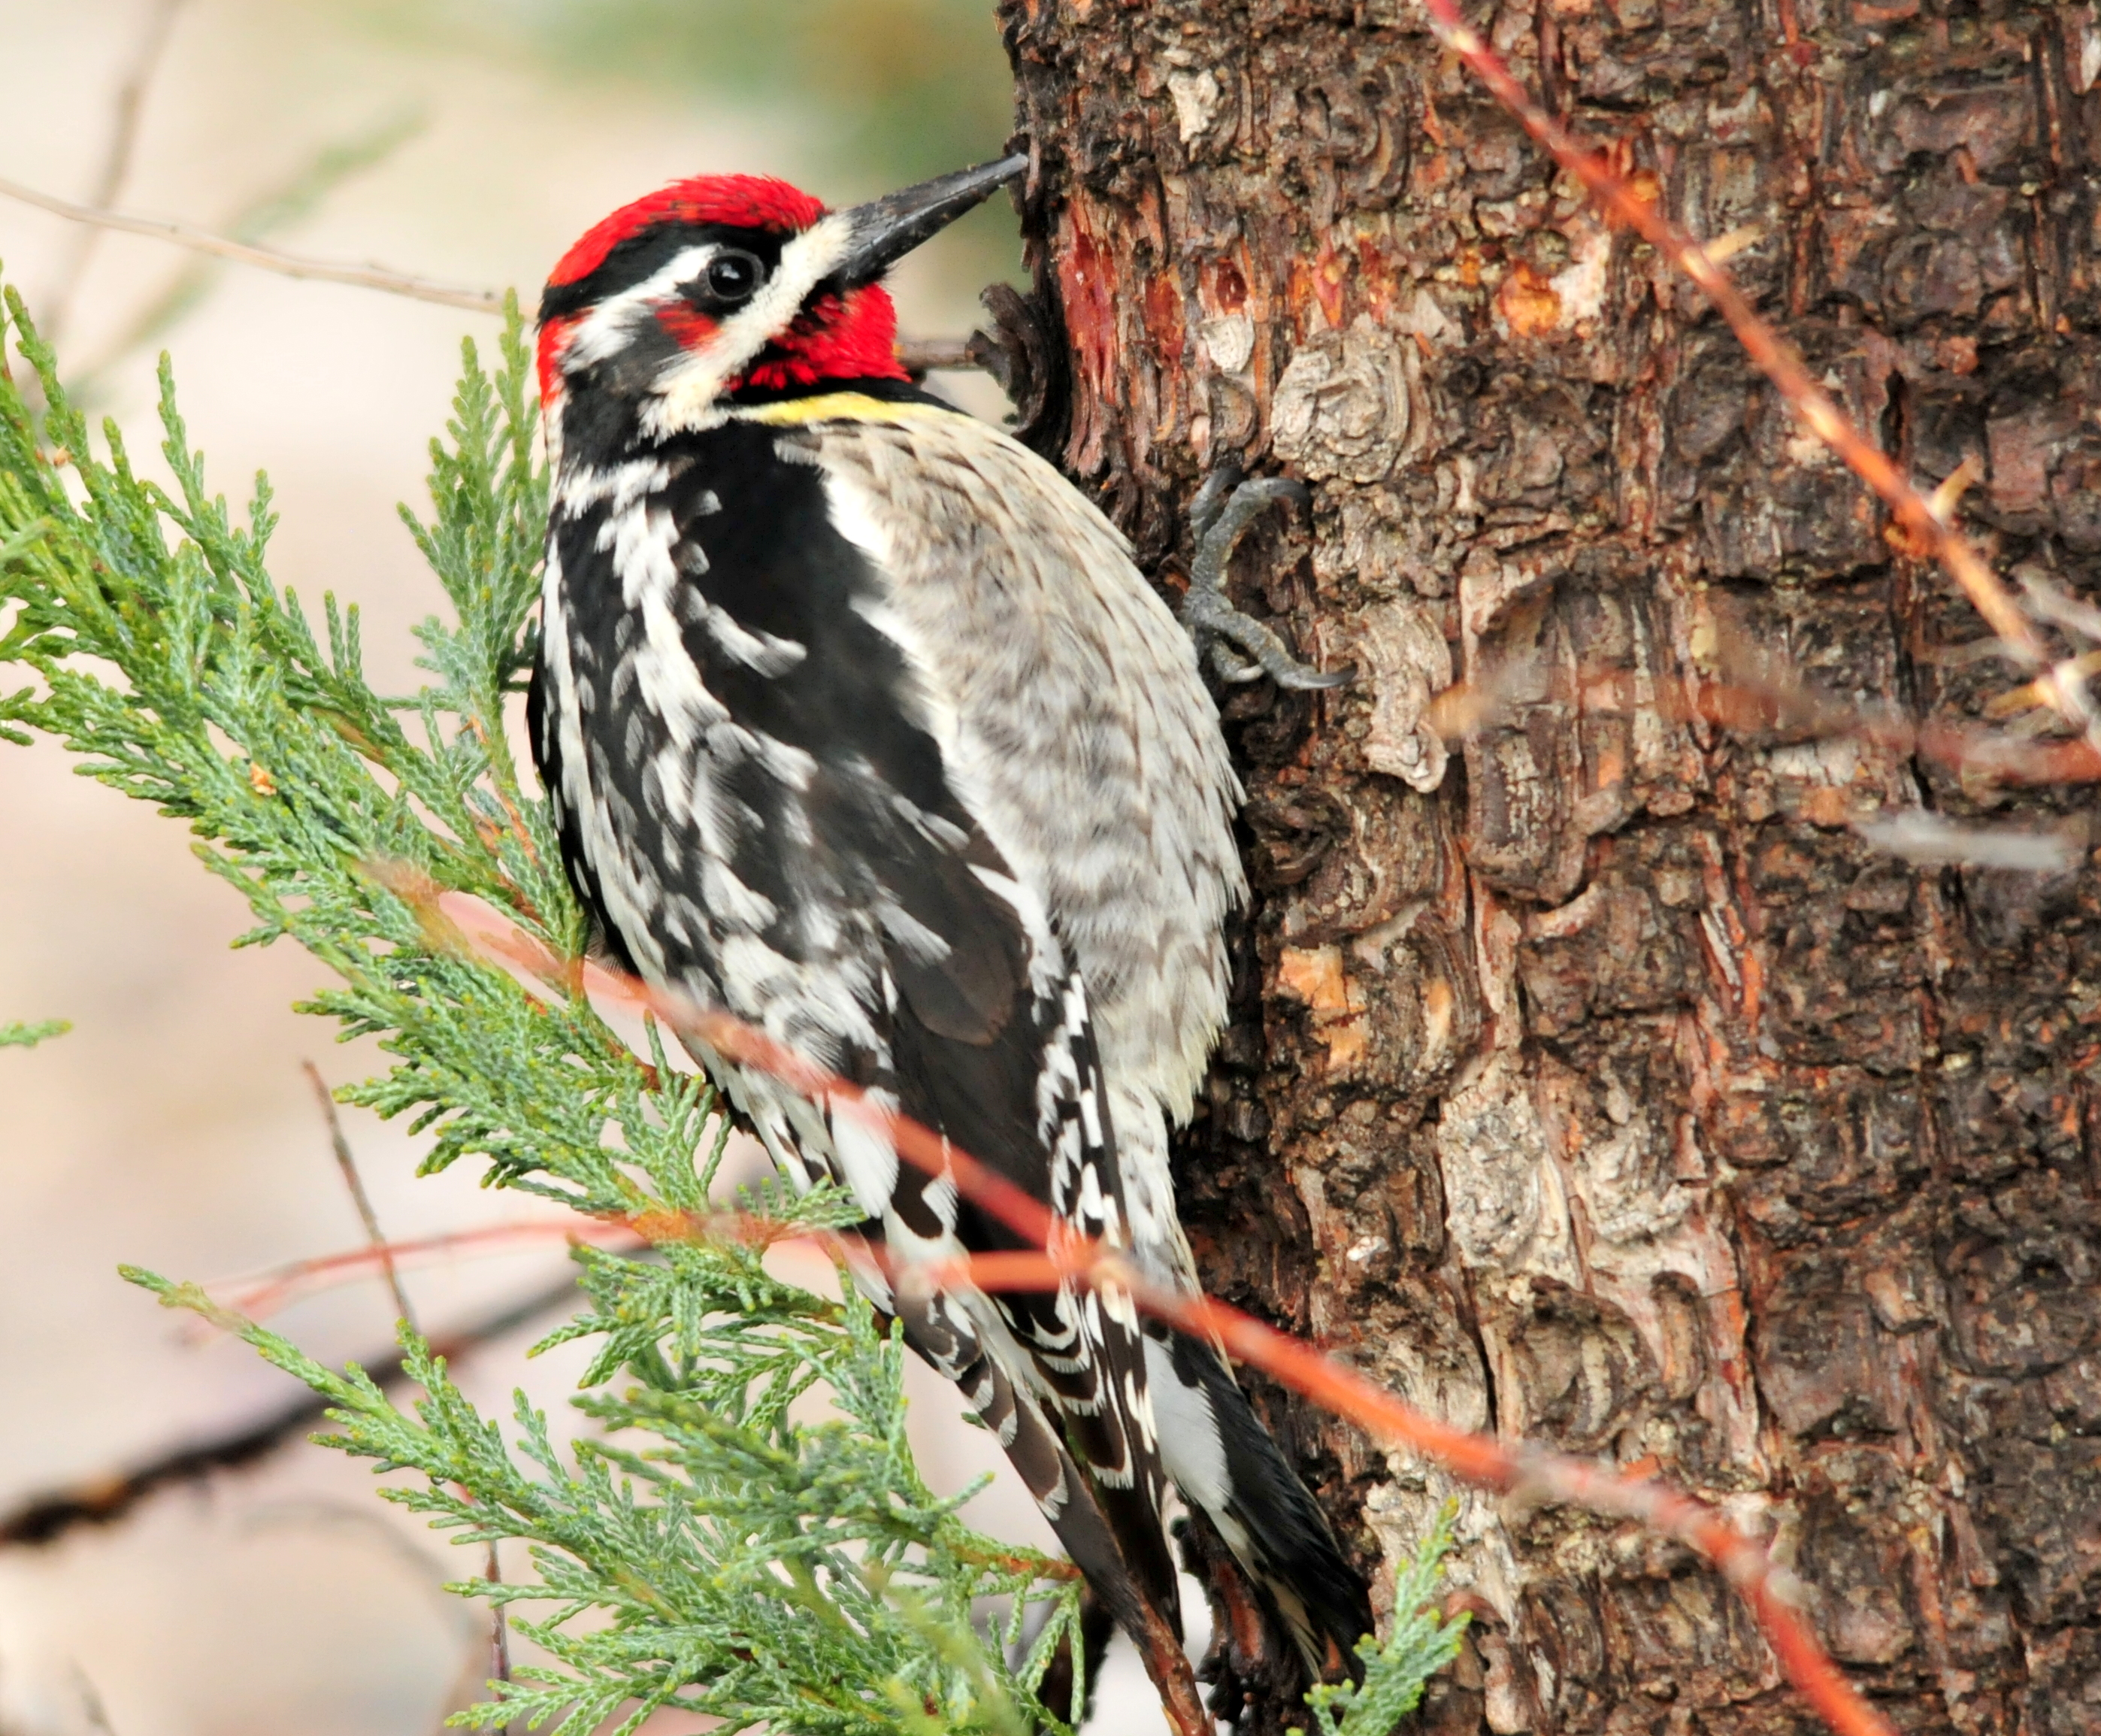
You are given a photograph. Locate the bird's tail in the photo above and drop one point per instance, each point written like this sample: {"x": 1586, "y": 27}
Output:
{"x": 1225, "y": 1462}
{"x": 1112, "y": 1534}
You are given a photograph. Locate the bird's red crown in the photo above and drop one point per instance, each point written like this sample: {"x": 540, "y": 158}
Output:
{"x": 736, "y": 201}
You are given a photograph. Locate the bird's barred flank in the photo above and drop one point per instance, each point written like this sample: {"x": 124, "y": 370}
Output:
{"x": 859, "y": 723}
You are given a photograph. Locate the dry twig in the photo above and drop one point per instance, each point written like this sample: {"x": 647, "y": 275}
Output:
{"x": 915, "y": 355}
{"x": 347, "y": 1162}
{"x": 264, "y": 259}
{"x": 117, "y": 158}
{"x": 100, "y": 1500}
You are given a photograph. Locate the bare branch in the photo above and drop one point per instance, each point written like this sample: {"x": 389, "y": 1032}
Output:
{"x": 91, "y": 1703}
{"x": 2028, "y": 697}
{"x": 263, "y": 259}
{"x": 347, "y": 1162}
{"x": 1919, "y": 835}
{"x": 925, "y": 355}
{"x": 2070, "y": 612}
{"x": 116, "y": 160}
{"x": 499, "y": 1620}
{"x": 915, "y": 355}
{"x": 100, "y": 1500}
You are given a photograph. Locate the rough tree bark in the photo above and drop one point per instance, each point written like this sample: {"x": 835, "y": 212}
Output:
{"x": 1592, "y": 1080}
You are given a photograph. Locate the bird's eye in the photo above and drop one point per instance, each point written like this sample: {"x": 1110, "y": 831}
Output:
{"x": 733, "y": 275}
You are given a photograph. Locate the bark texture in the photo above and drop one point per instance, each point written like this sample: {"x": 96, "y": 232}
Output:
{"x": 1593, "y": 1081}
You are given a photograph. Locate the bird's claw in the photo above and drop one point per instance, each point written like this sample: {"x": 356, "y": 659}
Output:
{"x": 1225, "y": 508}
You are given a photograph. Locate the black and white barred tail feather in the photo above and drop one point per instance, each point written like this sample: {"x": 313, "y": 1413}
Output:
{"x": 1113, "y": 1535}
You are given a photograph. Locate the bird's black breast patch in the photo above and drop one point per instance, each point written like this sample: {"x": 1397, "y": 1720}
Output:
{"x": 751, "y": 795}
{"x": 806, "y": 817}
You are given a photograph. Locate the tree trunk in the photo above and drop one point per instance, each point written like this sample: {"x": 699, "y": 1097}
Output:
{"x": 1593, "y": 1081}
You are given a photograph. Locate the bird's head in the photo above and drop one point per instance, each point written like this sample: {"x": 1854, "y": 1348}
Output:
{"x": 728, "y": 282}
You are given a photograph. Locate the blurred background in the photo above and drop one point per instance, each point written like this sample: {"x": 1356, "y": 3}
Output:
{"x": 467, "y": 140}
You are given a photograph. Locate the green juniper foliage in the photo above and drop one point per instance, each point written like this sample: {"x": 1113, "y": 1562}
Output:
{"x": 20, "y": 1036}
{"x": 1421, "y": 1644}
{"x": 704, "y": 1548}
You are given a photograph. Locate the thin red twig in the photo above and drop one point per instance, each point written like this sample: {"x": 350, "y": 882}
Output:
{"x": 261, "y": 1297}
{"x": 1778, "y": 361}
{"x": 258, "y": 1298}
{"x": 1773, "y": 1595}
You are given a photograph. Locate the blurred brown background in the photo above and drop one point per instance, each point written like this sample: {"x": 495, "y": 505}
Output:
{"x": 173, "y": 1127}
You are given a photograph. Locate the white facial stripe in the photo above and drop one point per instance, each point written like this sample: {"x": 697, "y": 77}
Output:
{"x": 605, "y": 328}
{"x": 685, "y": 392}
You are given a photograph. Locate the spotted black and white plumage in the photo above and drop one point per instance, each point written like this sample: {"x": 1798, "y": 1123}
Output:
{"x": 859, "y": 724}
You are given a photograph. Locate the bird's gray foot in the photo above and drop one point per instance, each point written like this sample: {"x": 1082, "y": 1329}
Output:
{"x": 1225, "y": 508}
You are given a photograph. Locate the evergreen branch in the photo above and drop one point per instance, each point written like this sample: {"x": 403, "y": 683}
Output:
{"x": 711, "y": 1549}
{"x": 18, "y": 1035}
{"x": 1421, "y": 1643}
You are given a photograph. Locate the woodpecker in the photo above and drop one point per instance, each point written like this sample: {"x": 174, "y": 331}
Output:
{"x": 859, "y": 723}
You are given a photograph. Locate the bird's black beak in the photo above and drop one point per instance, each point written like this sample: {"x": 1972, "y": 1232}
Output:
{"x": 884, "y": 230}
